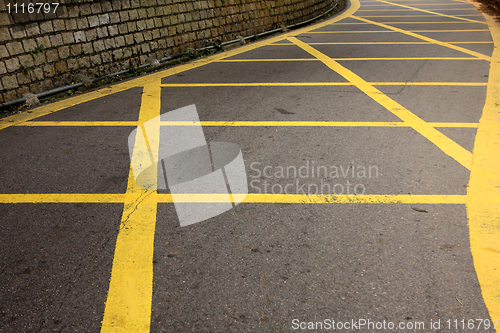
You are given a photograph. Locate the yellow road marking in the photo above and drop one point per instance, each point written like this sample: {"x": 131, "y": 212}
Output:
{"x": 353, "y": 59}
{"x": 428, "y": 39}
{"x": 433, "y": 12}
{"x": 128, "y": 306}
{"x": 403, "y": 16}
{"x": 251, "y": 198}
{"x": 384, "y": 43}
{"x": 412, "y": 8}
{"x": 380, "y": 24}
{"x": 483, "y": 196}
{"x": 248, "y": 124}
{"x": 444, "y": 143}
{"x": 305, "y": 84}
{"x": 406, "y": 22}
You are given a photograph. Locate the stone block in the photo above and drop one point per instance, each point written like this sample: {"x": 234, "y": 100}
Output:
{"x": 56, "y": 40}
{"x": 82, "y": 23}
{"x": 106, "y": 6}
{"x": 64, "y": 52}
{"x": 129, "y": 39}
{"x": 113, "y": 30}
{"x": 120, "y": 41}
{"x": 116, "y": 4}
{"x": 29, "y": 45}
{"x": 138, "y": 37}
{"x": 93, "y": 21}
{"x": 58, "y": 25}
{"x": 141, "y": 25}
{"x": 148, "y": 35}
{"x": 124, "y": 17}
{"x": 46, "y": 27}
{"x": 99, "y": 46}
{"x": 96, "y": 8}
{"x": 80, "y": 36}
{"x": 102, "y": 32}
{"x": 9, "y": 82}
{"x": 84, "y": 62}
{"x": 26, "y": 60}
{"x": 87, "y": 48}
{"x": 5, "y": 34}
{"x": 39, "y": 58}
{"x": 133, "y": 14}
{"x": 72, "y": 64}
{"x": 61, "y": 67}
{"x": 109, "y": 43}
{"x": 91, "y": 35}
{"x": 12, "y": 65}
{"x": 71, "y": 24}
{"x": 122, "y": 29}
{"x": 141, "y": 12}
{"x": 104, "y": 19}
{"x": 52, "y": 55}
{"x": 68, "y": 38}
{"x": 4, "y": 53}
{"x": 15, "y": 48}
{"x": 17, "y": 32}
{"x": 114, "y": 18}
{"x": 49, "y": 70}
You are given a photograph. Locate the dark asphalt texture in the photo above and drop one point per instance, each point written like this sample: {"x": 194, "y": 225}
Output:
{"x": 257, "y": 267}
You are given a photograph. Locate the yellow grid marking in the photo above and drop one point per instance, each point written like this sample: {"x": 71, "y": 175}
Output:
{"x": 403, "y": 16}
{"x": 483, "y": 204}
{"x": 432, "y": 12}
{"x": 306, "y": 84}
{"x": 428, "y": 39}
{"x": 434, "y": 199}
{"x": 410, "y": 8}
{"x": 380, "y": 24}
{"x": 353, "y": 59}
{"x": 249, "y": 123}
{"x": 448, "y": 146}
{"x": 406, "y": 22}
{"x": 383, "y": 43}
{"x": 128, "y": 306}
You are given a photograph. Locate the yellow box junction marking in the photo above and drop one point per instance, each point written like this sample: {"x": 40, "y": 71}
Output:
{"x": 432, "y": 12}
{"x": 128, "y": 306}
{"x": 427, "y": 39}
{"x": 444, "y": 143}
{"x": 483, "y": 195}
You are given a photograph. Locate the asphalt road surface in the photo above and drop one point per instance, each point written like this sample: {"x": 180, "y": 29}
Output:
{"x": 357, "y": 135}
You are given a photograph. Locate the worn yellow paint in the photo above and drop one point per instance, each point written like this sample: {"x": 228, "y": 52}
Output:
{"x": 405, "y": 10}
{"x": 247, "y": 123}
{"x": 444, "y": 143}
{"x": 428, "y": 39}
{"x": 353, "y": 59}
{"x": 90, "y": 198}
{"x": 385, "y": 43}
{"x": 403, "y": 16}
{"x": 483, "y": 195}
{"x": 128, "y": 306}
{"x": 433, "y": 12}
{"x": 251, "y": 198}
{"x": 379, "y": 31}
{"x": 306, "y": 84}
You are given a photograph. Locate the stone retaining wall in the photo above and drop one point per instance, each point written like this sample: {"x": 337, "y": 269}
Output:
{"x": 39, "y": 51}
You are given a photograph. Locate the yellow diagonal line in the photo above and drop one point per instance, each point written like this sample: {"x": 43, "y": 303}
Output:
{"x": 428, "y": 39}
{"x": 431, "y": 12}
{"x": 447, "y": 145}
{"x": 128, "y": 306}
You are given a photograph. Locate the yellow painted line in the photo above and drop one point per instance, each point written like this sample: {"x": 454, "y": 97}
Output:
{"x": 385, "y": 43}
{"x": 322, "y": 199}
{"x": 251, "y": 198}
{"x": 433, "y": 12}
{"x": 380, "y": 24}
{"x": 306, "y": 84}
{"x": 256, "y": 123}
{"x": 444, "y": 143}
{"x": 357, "y": 59}
{"x": 410, "y": 8}
{"x": 406, "y": 22}
{"x": 428, "y": 39}
{"x": 128, "y": 306}
{"x": 403, "y": 16}
{"x": 483, "y": 204}
{"x": 90, "y": 198}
